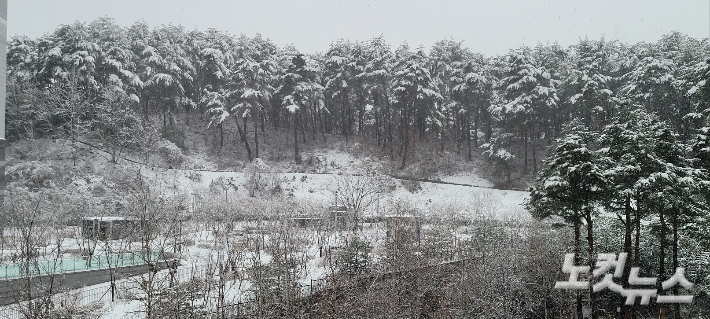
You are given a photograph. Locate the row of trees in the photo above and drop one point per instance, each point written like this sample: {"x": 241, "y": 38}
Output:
{"x": 501, "y": 268}
{"x": 252, "y": 261}
{"x": 42, "y": 231}
{"x": 506, "y": 104}
{"x": 637, "y": 169}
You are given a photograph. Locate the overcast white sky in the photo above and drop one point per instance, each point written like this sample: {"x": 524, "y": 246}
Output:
{"x": 491, "y": 27}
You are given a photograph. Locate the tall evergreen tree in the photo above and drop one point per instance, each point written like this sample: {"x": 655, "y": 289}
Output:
{"x": 413, "y": 90}
{"x": 590, "y": 82}
{"x": 473, "y": 90}
{"x": 570, "y": 185}
{"x": 298, "y": 91}
{"x": 528, "y": 90}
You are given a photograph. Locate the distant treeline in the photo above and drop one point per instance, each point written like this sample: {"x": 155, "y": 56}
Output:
{"x": 101, "y": 79}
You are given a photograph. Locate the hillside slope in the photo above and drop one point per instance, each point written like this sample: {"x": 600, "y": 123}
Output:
{"x": 206, "y": 166}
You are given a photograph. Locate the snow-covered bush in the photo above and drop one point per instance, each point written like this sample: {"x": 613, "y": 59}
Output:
{"x": 354, "y": 260}
{"x": 170, "y": 153}
{"x": 498, "y": 153}
{"x": 315, "y": 163}
{"x": 411, "y": 186}
{"x": 195, "y": 176}
{"x": 178, "y": 301}
{"x": 262, "y": 179}
{"x": 175, "y": 136}
{"x": 32, "y": 175}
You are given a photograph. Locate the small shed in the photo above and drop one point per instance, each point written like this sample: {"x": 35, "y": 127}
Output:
{"x": 108, "y": 227}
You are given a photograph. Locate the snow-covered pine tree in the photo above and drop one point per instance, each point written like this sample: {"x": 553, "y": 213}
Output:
{"x": 115, "y": 63}
{"x": 414, "y": 92}
{"x": 527, "y": 90}
{"x": 346, "y": 83}
{"x": 653, "y": 83}
{"x": 628, "y": 142}
{"x": 253, "y": 77}
{"x": 590, "y": 83}
{"x": 472, "y": 90}
{"x": 376, "y": 76}
{"x": 447, "y": 57}
{"x": 118, "y": 127}
{"x": 298, "y": 91}
{"x": 570, "y": 185}
{"x": 168, "y": 72}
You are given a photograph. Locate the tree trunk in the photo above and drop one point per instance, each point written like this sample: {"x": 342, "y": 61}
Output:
{"x": 405, "y": 137}
{"x": 350, "y": 118}
{"x": 441, "y": 132}
{"x": 377, "y": 128}
{"x": 344, "y": 116}
{"x": 489, "y": 125}
{"x": 322, "y": 126}
{"x": 401, "y": 133}
{"x": 661, "y": 253}
{"x": 577, "y": 261}
{"x": 468, "y": 136}
{"x": 361, "y": 119}
{"x": 674, "y": 221}
{"x": 458, "y": 129}
{"x": 221, "y": 134}
{"x": 296, "y": 154}
{"x": 627, "y": 224}
{"x": 314, "y": 122}
{"x": 533, "y": 136}
{"x": 187, "y": 115}
{"x": 275, "y": 113}
{"x": 590, "y": 250}
{"x": 637, "y": 226}
{"x": 388, "y": 124}
{"x": 628, "y": 229}
{"x": 303, "y": 127}
{"x": 255, "y": 117}
{"x": 243, "y": 136}
{"x": 475, "y": 128}
{"x": 525, "y": 147}
{"x": 421, "y": 123}
{"x": 262, "y": 120}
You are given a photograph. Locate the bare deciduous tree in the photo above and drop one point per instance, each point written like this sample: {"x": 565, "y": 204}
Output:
{"x": 358, "y": 192}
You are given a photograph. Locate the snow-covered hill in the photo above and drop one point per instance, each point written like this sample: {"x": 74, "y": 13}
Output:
{"x": 50, "y": 163}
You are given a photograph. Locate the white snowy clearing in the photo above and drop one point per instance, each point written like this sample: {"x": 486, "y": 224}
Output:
{"x": 464, "y": 193}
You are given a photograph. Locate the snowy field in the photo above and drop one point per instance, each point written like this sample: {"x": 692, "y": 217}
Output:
{"x": 465, "y": 190}
{"x": 464, "y": 194}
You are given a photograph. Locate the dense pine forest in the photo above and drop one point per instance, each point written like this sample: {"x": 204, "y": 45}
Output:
{"x": 610, "y": 139}
{"x": 511, "y": 107}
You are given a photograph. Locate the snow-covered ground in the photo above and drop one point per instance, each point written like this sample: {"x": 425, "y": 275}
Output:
{"x": 466, "y": 189}
{"x": 463, "y": 193}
